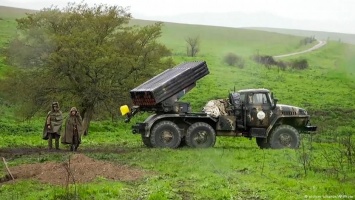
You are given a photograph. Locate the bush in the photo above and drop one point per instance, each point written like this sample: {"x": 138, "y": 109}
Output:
{"x": 299, "y": 64}
{"x": 234, "y": 60}
{"x": 307, "y": 40}
{"x": 269, "y": 61}
{"x": 266, "y": 60}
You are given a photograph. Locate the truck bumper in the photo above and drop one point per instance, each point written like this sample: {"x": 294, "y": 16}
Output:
{"x": 138, "y": 128}
{"x": 309, "y": 128}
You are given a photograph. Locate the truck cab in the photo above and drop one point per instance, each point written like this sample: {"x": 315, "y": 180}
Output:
{"x": 255, "y": 104}
{"x": 258, "y": 115}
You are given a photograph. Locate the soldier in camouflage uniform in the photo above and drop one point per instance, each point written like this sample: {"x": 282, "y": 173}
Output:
{"x": 73, "y": 129}
{"x": 53, "y": 125}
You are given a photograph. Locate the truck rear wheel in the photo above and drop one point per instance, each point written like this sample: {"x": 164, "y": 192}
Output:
{"x": 284, "y": 136}
{"x": 165, "y": 134}
{"x": 200, "y": 135}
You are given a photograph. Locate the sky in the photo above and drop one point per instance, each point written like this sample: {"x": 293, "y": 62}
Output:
{"x": 322, "y": 15}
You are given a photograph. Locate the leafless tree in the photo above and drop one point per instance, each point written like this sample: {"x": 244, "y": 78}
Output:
{"x": 192, "y": 47}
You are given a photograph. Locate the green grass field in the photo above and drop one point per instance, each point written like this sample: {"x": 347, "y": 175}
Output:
{"x": 235, "y": 168}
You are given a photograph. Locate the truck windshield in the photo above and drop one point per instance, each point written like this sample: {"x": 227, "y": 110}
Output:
{"x": 258, "y": 98}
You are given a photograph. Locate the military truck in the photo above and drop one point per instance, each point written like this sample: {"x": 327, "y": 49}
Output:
{"x": 250, "y": 113}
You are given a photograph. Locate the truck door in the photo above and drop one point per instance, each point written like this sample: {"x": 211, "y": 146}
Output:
{"x": 258, "y": 109}
{"x": 237, "y": 101}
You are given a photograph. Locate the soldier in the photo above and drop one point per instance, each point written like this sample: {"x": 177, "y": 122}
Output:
{"x": 53, "y": 125}
{"x": 73, "y": 129}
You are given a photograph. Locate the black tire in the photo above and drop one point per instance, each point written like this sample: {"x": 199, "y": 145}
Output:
{"x": 284, "y": 136}
{"x": 263, "y": 143}
{"x": 146, "y": 141}
{"x": 165, "y": 134}
{"x": 200, "y": 135}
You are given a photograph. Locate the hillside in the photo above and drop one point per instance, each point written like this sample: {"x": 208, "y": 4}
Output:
{"x": 264, "y": 20}
{"x": 218, "y": 41}
{"x": 12, "y": 13}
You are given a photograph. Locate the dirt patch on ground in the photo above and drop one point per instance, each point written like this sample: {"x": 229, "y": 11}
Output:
{"x": 78, "y": 169}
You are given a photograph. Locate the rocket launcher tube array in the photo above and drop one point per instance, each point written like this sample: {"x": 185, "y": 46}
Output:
{"x": 168, "y": 83}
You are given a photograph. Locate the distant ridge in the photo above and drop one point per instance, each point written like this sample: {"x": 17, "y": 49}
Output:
{"x": 321, "y": 35}
{"x": 12, "y": 13}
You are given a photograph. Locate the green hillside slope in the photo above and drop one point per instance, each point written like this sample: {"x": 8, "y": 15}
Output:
{"x": 218, "y": 41}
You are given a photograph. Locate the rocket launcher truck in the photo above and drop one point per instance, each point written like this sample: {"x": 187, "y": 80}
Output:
{"x": 250, "y": 113}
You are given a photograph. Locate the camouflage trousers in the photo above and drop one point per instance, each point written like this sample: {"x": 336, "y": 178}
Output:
{"x": 54, "y": 136}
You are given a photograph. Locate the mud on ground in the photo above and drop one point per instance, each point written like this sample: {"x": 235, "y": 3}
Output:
{"x": 78, "y": 169}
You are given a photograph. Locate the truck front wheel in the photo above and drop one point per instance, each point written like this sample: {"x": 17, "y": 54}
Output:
{"x": 165, "y": 134}
{"x": 284, "y": 136}
{"x": 146, "y": 141}
{"x": 200, "y": 135}
{"x": 262, "y": 143}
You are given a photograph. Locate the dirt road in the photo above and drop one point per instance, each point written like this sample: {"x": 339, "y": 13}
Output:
{"x": 317, "y": 46}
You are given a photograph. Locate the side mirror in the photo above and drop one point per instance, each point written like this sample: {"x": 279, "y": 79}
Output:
{"x": 275, "y": 102}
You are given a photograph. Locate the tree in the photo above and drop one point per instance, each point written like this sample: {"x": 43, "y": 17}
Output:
{"x": 193, "y": 44}
{"x": 84, "y": 56}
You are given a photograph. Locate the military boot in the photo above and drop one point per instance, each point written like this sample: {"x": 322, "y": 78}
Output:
{"x": 75, "y": 147}
{"x": 50, "y": 141}
{"x": 50, "y": 146}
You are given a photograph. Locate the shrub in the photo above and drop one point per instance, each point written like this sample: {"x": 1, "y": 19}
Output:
{"x": 299, "y": 64}
{"x": 266, "y": 60}
{"x": 234, "y": 60}
{"x": 307, "y": 40}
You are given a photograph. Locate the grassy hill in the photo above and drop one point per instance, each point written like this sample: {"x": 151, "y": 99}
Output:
{"x": 8, "y": 28}
{"x": 8, "y": 23}
{"x": 218, "y": 41}
{"x": 12, "y": 13}
{"x": 235, "y": 168}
